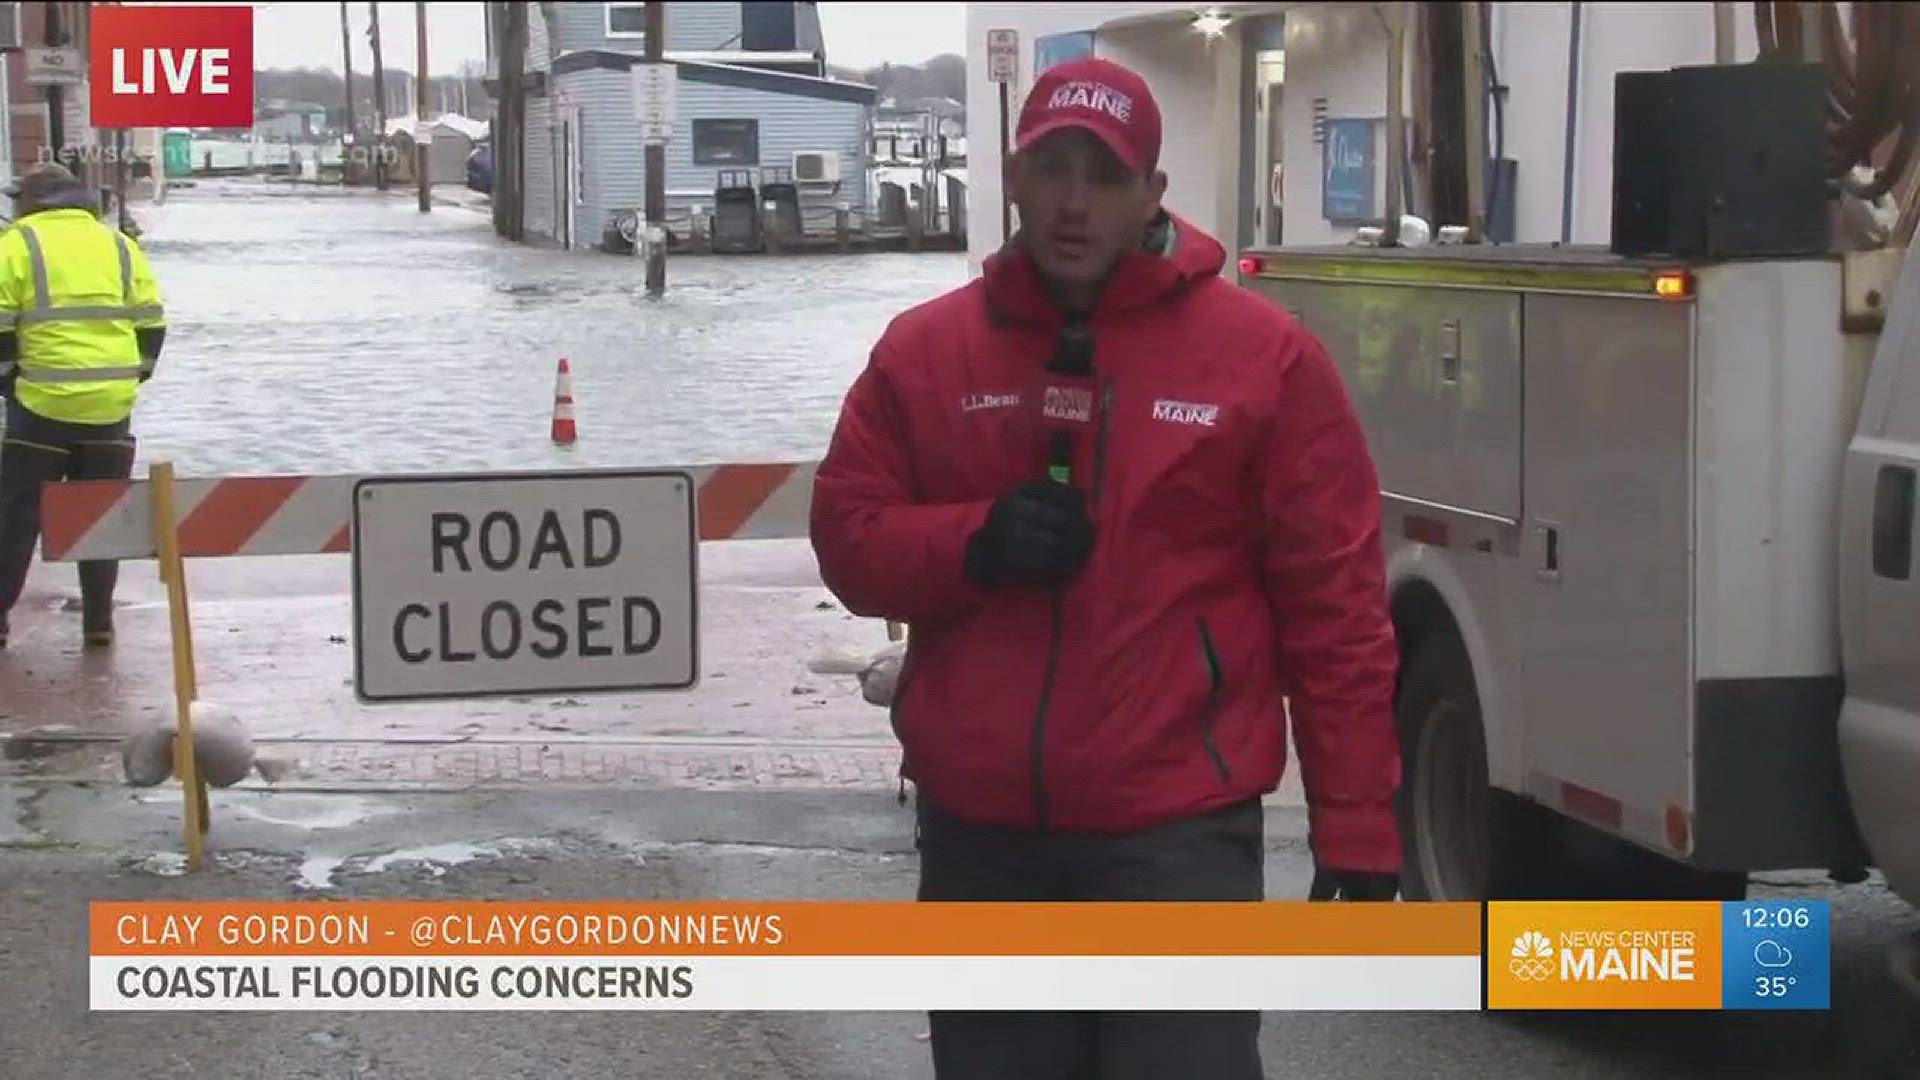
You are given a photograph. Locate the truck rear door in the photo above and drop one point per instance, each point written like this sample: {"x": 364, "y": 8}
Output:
{"x": 1880, "y": 597}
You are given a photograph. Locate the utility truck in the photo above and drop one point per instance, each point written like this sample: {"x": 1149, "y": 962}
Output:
{"x": 1650, "y": 532}
{"x": 1650, "y": 540}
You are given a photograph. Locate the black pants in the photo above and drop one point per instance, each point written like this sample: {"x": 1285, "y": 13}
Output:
{"x": 1213, "y": 857}
{"x": 37, "y": 450}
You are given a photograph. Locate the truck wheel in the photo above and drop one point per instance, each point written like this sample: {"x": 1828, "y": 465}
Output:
{"x": 1464, "y": 839}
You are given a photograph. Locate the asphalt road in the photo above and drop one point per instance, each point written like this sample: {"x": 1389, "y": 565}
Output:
{"x": 64, "y": 846}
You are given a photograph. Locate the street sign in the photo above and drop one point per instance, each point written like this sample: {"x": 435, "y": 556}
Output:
{"x": 653, "y": 100}
{"x": 524, "y": 583}
{"x": 1003, "y": 56}
{"x": 54, "y": 67}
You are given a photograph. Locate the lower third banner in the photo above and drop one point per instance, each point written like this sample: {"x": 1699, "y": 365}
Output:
{"x": 820, "y": 956}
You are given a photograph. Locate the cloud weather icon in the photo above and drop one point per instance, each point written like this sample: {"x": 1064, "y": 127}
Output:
{"x": 1772, "y": 954}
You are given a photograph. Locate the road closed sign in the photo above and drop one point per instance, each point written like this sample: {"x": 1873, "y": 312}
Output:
{"x": 524, "y": 583}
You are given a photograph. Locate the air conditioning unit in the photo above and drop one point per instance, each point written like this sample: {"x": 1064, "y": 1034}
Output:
{"x": 10, "y": 28}
{"x": 816, "y": 166}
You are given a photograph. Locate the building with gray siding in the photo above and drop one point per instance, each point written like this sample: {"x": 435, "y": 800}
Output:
{"x": 750, "y": 96}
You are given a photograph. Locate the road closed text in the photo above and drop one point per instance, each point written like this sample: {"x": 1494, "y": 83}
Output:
{"x": 551, "y": 627}
{"x": 576, "y": 582}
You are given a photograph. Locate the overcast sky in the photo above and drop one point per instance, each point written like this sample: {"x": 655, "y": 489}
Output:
{"x": 291, "y": 35}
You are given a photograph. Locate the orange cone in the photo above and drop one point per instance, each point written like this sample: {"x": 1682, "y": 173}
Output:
{"x": 563, "y": 429}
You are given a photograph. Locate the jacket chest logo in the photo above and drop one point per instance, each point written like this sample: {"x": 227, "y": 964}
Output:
{"x": 978, "y": 402}
{"x": 1073, "y": 403}
{"x": 1194, "y": 414}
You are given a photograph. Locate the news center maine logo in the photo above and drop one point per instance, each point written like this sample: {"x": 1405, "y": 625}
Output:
{"x": 1603, "y": 956}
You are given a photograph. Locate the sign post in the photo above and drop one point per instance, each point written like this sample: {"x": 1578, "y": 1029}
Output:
{"x": 653, "y": 99}
{"x": 1003, "y": 67}
{"x": 524, "y": 583}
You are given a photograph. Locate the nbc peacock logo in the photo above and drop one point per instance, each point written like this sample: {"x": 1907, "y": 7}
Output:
{"x": 1532, "y": 957}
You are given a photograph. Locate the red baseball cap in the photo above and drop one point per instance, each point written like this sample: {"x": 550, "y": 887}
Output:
{"x": 1101, "y": 97}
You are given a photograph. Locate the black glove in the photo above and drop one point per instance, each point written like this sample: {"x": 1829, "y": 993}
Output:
{"x": 1037, "y": 534}
{"x": 1331, "y": 884}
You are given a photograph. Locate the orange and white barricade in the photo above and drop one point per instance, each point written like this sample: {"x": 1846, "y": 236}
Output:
{"x": 171, "y": 520}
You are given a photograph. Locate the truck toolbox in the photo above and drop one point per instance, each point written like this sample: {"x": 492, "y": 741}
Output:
{"x": 1612, "y": 487}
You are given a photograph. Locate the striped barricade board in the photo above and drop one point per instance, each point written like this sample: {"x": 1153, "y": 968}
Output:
{"x": 312, "y": 515}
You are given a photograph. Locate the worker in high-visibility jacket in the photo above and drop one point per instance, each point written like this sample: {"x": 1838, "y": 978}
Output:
{"x": 81, "y": 326}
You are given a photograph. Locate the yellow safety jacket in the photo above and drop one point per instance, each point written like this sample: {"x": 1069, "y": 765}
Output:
{"x": 74, "y": 289}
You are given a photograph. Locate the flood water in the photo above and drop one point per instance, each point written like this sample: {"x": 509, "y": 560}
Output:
{"x": 325, "y": 331}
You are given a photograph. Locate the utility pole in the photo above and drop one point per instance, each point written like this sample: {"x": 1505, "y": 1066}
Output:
{"x": 379, "y": 101}
{"x": 656, "y": 231}
{"x": 346, "y": 59}
{"x": 56, "y": 107}
{"x": 421, "y": 132}
{"x": 509, "y": 122}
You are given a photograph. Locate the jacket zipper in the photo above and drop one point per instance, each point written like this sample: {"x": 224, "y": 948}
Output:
{"x": 1038, "y": 751}
{"x": 1216, "y": 683}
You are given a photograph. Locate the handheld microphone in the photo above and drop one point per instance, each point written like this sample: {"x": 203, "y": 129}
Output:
{"x": 1064, "y": 401}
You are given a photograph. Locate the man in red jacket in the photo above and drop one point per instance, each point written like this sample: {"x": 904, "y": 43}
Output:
{"x": 1128, "y": 512}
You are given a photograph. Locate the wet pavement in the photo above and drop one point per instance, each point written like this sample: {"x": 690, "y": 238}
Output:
{"x": 62, "y": 845}
{"x": 272, "y": 644}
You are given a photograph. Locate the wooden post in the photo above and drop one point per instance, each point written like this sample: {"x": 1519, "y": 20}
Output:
{"x": 1396, "y": 117}
{"x": 173, "y": 571}
{"x": 421, "y": 133}
{"x": 346, "y": 59}
{"x": 1006, "y": 150}
{"x": 656, "y": 163}
{"x": 379, "y": 100}
{"x": 1474, "y": 74}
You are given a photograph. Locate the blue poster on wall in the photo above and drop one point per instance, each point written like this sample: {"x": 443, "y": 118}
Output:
{"x": 1346, "y": 173}
{"x": 1060, "y": 48}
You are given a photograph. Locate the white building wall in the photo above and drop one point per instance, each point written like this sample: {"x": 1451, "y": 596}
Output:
{"x": 1338, "y": 51}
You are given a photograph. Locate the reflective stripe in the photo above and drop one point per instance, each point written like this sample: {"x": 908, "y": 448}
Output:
{"x": 42, "y": 292}
{"x": 87, "y": 313}
{"x": 126, "y": 267}
{"x": 32, "y": 373}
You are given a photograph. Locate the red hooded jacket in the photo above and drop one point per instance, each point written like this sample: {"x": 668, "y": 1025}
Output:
{"x": 1237, "y": 561}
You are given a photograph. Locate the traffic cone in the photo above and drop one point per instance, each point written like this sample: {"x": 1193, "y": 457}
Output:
{"x": 563, "y": 429}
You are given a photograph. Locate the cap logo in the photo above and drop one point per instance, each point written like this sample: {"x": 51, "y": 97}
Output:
{"x": 1093, "y": 96}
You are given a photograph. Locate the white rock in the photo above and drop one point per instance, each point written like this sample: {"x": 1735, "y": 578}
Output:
{"x": 222, "y": 749}
{"x": 879, "y": 673}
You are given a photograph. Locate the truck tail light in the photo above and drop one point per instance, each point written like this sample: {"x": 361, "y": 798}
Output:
{"x": 1673, "y": 285}
{"x": 1251, "y": 264}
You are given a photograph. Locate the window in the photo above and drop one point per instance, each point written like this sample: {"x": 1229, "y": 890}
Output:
{"x": 726, "y": 142}
{"x": 627, "y": 21}
{"x": 1893, "y": 507}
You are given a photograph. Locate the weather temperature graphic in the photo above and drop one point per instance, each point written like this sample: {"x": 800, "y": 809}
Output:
{"x": 1777, "y": 955}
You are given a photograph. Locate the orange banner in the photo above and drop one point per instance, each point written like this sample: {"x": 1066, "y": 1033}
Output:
{"x": 1590, "y": 955}
{"x": 696, "y": 928}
